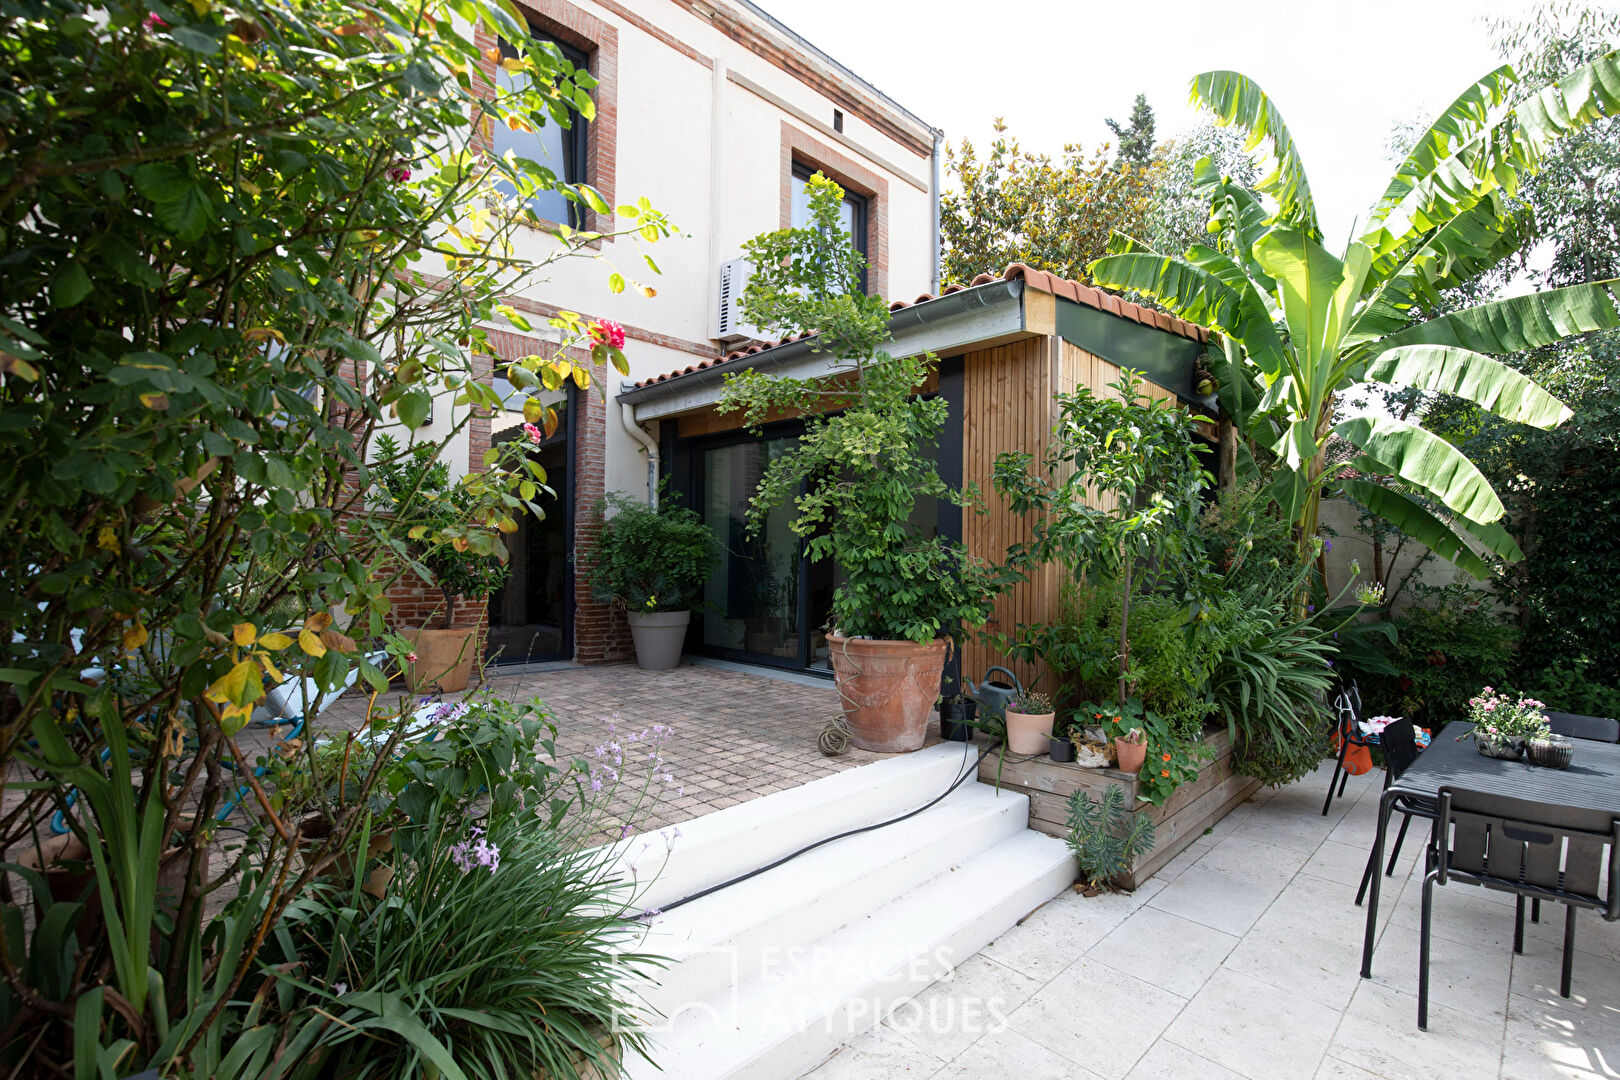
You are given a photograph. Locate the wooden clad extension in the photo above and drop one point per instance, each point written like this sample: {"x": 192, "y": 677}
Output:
{"x": 1010, "y": 405}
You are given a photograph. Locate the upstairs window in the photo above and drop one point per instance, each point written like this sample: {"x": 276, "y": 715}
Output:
{"x": 852, "y": 213}
{"x": 549, "y": 145}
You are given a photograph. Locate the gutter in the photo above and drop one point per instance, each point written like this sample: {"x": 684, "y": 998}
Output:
{"x": 933, "y": 208}
{"x": 639, "y": 434}
{"x": 990, "y": 294}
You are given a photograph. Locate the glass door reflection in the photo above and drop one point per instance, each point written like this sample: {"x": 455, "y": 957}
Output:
{"x": 753, "y": 598}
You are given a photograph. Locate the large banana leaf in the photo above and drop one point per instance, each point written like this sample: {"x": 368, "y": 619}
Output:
{"x": 1519, "y": 322}
{"x": 1497, "y": 156}
{"x": 1488, "y": 383}
{"x": 1194, "y": 294}
{"x": 1461, "y": 120}
{"x": 1416, "y": 521}
{"x": 1496, "y": 539}
{"x": 1237, "y": 217}
{"x": 1237, "y": 99}
{"x": 1422, "y": 458}
{"x": 1318, "y": 292}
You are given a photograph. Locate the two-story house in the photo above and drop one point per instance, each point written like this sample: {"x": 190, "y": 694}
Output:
{"x": 717, "y": 113}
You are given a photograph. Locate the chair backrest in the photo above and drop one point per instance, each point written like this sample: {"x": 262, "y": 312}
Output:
{"x": 1557, "y": 851}
{"x": 1576, "y": 726}
{"x": 1399, "y": 741}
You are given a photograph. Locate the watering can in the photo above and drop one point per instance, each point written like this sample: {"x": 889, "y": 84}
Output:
{"x": 993, "y": 698}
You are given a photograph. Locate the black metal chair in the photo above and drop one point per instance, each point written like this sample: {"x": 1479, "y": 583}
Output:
{"x": 1347, "y": 724}
{"x": 1399, "y": 742}
{"x": 1529, "y": 849}
{"x": 1576, "y": 726}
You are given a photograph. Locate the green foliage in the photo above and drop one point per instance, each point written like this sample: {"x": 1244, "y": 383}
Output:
{"x": 1450, "y": 644}
{"x": 1134, "y": 457}
{"x": 414, "y": 487}
{"x": 1017, "y": 207}
{"x": 239, "y": 242}
{"x": 1103, "y": 841}
{"x": 650, "y": 559}
{"x": 1572, "y": 686}
{"x": 1301, "y": 325}
{"x": 464, "y": 969}
{"x": 1135, "y": 135}
{"x": 1173, "y": 757}
{"x": 489, "y": 756}
{"x": 857, "y": 476}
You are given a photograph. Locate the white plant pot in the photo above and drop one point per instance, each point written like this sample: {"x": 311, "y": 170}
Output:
{"x": 659, "y": 636}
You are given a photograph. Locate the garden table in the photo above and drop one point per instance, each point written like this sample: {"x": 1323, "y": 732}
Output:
{"x": 1592, "y": 782}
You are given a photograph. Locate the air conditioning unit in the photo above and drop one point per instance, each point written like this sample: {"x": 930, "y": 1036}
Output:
{"x": 734, "y": 275}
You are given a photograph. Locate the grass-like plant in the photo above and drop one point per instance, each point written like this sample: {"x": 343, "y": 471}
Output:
{"x": 1104, "y": 842}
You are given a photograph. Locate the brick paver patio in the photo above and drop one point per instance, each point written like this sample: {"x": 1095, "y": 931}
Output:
{"x": 737, "y": 735}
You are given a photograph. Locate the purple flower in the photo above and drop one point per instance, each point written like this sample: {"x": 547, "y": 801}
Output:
{"x": 475, "y": 851}
{"x": 1327, "y": 545}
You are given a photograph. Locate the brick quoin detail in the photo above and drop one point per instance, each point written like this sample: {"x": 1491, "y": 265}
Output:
{"x": 599, "y": 41}
{"x": 797, "y": 147}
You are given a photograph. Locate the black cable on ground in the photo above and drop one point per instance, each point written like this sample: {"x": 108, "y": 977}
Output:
{"x": 852, "y": 832}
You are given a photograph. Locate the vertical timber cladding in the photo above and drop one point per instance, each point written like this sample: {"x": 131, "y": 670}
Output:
{"x": 1010, "y": 405}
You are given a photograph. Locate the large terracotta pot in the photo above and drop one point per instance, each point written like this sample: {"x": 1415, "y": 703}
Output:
{"x": 1029, "y": 733}
{"x": 65, "y": 864}
{"x": 888, "y": 689}
{"x": 444, "y": 659}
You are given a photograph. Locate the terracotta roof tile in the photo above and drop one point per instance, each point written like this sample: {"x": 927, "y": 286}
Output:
{"x": 1039, "y": 280}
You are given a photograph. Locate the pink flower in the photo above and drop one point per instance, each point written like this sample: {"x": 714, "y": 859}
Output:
{"x": 154, "y": 21}
{"x": 607, "y": 332}
{"x": 399, "y": 174}
{"x": 410, "y": 658}
{"x": 534, "y": 433}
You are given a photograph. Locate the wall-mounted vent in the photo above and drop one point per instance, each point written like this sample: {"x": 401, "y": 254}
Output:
{"x": 734, "y": 275}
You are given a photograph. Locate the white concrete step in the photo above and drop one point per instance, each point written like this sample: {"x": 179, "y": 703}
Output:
{"x": 807, "y": 1000}
{"x": 734, "y": 934}
{"x": 720, "y": 846}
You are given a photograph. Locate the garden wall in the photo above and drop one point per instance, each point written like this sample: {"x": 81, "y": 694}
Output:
{"x": 1182, "y": 819}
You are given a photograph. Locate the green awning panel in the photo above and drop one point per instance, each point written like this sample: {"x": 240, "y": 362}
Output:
{"x": 1163, "y": 358}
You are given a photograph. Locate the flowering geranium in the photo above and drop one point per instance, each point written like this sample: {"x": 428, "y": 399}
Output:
{"x": 1497, "y": 716}
{"x": 607, "y": 332}
{"x": 534, "y": 433}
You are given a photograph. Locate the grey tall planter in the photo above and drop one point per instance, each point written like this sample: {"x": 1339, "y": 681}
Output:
{"x": 659, "y": 636}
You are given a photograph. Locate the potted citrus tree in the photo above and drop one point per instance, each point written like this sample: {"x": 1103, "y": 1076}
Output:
{"x": 652, "y": 562}
{"x": 416, "y": 487}
{"x": 864, "y": 463}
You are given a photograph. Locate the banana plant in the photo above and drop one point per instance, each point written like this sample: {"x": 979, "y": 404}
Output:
{"x": 1300, "y": 325}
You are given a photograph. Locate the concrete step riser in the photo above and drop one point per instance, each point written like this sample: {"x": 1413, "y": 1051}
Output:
{"x": 810, "y": 899}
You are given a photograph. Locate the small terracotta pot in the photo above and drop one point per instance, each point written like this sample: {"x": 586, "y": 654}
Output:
{"x": 888, "y": 689}
{"x": 1131, "y": 755}
{"x": 1029, "y": 733}
{"x": 444, "y": 659}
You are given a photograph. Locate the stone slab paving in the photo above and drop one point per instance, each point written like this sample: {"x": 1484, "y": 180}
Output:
{"x": 1241, "y": 960}
{"x": 737, "y": 735}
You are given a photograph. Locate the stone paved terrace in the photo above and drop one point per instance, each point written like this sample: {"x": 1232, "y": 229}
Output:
{"x": 1241, "y": 959}
{"x": 738, "y": 735}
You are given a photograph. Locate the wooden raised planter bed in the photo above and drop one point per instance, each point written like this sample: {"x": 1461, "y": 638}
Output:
{"x": 1182, "y": 819}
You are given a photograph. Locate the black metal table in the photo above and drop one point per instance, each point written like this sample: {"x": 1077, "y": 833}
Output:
{"x": 1591, "y": 782}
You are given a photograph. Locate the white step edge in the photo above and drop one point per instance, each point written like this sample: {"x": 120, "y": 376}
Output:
{"x": 727, "y": 937}
{"x": 719, "y": 846}
{"x": 778, "y": 1026}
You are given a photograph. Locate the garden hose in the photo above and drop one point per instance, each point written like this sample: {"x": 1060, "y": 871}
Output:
{"x": 967, "y": 772}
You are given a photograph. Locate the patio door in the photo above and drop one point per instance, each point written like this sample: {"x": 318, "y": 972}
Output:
{"x": 531, "y": 615}
{"x": 753, "y": 600}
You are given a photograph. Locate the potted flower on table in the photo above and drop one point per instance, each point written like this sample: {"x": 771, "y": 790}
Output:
{"x": 1503, "y": 725}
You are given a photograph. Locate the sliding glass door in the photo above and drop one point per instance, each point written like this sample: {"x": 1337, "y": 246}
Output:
{"x": 752, "y": 600}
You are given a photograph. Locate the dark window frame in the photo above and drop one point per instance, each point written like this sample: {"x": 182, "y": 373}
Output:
{"x": 861, "y": 204}
{"x": 576, "y": 137}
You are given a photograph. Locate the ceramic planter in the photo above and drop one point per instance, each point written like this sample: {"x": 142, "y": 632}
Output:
{"x": 1062, "y": 750}
{"x": 1029, "y": 733}
{"x": 660, "y": 637}
{"x": 1553, "y": 752}
{"x": 955, "y": 720}
{"x": 1131, "y": 755}
{"x": 1509, "y": 748}
{"x": 888, "y": 688}
{"x": 444, "y": 659}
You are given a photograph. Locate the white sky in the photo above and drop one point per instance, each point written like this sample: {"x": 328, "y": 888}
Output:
{"x": 1341, "y": 72}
